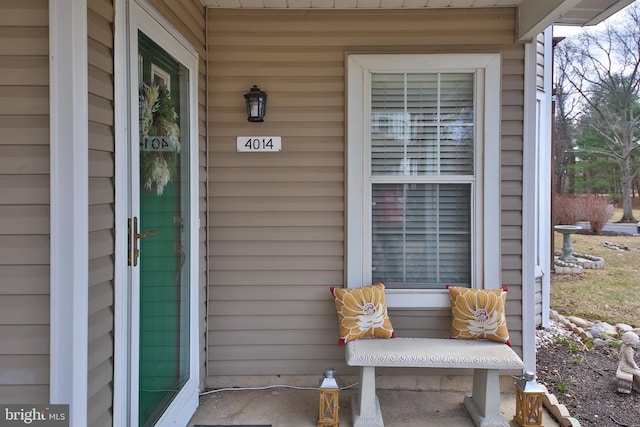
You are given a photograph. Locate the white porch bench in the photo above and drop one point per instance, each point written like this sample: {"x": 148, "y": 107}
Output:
{"x": 486, "y": 358}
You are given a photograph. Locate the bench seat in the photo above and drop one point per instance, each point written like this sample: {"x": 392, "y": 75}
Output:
{"x": 486, "y": 358}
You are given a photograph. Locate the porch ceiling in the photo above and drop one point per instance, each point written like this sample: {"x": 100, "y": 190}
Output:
{"x": 534, "y": 15}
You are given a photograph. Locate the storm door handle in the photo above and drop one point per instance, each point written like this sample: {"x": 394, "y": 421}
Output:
{"x": 134, "y": 236}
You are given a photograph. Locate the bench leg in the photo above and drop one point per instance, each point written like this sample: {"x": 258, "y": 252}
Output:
{"x": 484, "y": 404}
{"x": 365, "y": 405}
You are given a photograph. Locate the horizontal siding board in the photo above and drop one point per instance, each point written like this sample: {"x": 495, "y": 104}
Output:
{"x": 263, "y": 263}
{"x": 24, "y": 100}
{"x": 99, "y": 29}
{"x": 281, "y": 234}
{"x": 294, "y": 279}
{"x": 289, "y": 189}
{"x": 24, "y": 250}
{"x": 101, "y": 191}
{"x": 296, "y": 351}
{"x": 100, "y": 377}
{"x": 102, "y": 8}
{"x": 24, "y": 219}
{"x": 24, "y": 129}
{"x": 100, "y": 83}
{"x": 101, "y": 217}
{"x": 25, "y": 189}
{"x": 100, "y": 350}
{"x": 31, "y": 13}
{"x": 24, "y": 369}
{"x": 294, "y": 219}
{"x": 101, "y": 270}
{"x": 100, "y": 110}
{"x": 24, "y": 310}
{"x": 100, "y": 323}
{"x": 24, "y": 279}
{"x": 272, "y": 308}
{"x": 276, "y": 367}
{"x": 230, "y": 249}
{"x": 24, "y": 159}
{"x": 101, "y": 243}
{"x": 309, "y": 174}
{"x": 99, "y": 56}
{"x": 24, "y": 394}
{"x": 282, "y": 321}
{"x": 24, "y": 41}
{"x": 102, "y": 137}
{"x": 100, "y": 297}
{"x": 24, "y": 339}
{"x": 101, "y": 164}
{"x": 294, "y": 294}
{"x": 100, "y": 403}
{"x": 24, "y": 70}
{"x": 273, "y": 337}
{"x": 271, "y": 160}
{"x": 280, "y": 204}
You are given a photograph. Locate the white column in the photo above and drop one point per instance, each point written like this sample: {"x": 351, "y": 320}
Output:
{"x": 69, "y": 189}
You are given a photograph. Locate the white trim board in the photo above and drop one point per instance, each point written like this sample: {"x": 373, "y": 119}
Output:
{"x": 68, "y": 89}
{"x": 130, "y": 16}
{"x": 486, "y": 270}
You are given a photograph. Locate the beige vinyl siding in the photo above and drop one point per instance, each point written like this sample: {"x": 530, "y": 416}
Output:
{"x": 24, "y": 201}
{"x": 188, "y": 17}
{"x": 538, "y": 297}
{"x": 540, "y": 61}
{"x": 511, "y": 187}
{"x": 277, "y": 228}
{"x": 101, "y": 212}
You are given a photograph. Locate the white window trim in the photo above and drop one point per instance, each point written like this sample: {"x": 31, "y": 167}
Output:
{"x": 486, "y": 227}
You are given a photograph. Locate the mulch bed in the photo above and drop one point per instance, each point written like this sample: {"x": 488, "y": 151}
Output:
{"x": 585, "y": 382}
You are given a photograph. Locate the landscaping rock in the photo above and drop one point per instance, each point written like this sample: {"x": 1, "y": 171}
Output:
{"x": 603, "y": 330}
{"x": 578, "y": 321}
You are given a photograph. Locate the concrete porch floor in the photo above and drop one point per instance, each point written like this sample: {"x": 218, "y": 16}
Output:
{"x": 285, "y": 407}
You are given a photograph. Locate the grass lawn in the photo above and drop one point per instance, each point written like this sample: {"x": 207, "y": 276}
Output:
{"x": 617, "y": 214}
{"x": 611, "y": 294}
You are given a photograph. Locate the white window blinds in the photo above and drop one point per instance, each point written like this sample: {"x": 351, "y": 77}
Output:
{"x": 422, "y": 172}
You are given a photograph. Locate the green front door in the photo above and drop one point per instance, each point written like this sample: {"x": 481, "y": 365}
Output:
{"x": 163, "y": 229}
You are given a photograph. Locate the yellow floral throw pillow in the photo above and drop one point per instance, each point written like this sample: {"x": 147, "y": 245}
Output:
{"x": 479, "y": 313}
{"x": 362, "y": 313}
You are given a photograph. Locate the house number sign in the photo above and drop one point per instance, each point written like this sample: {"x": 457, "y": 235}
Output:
{"x": 254, "y": 144}
{"x": 157, "y": 143}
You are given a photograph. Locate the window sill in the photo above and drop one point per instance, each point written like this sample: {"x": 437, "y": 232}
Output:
{"x": 413, "y": 298}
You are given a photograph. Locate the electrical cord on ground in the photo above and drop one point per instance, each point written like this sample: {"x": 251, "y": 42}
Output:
{"x": 218, "y": 390}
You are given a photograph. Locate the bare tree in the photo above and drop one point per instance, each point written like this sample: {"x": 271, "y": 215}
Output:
{"x": 603, "y": 70}
{"x": 565, "y": 116}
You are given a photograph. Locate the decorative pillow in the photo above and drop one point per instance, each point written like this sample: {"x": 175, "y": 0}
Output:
{"x": 479, "y": 313}
{"x": 362, "y": 313}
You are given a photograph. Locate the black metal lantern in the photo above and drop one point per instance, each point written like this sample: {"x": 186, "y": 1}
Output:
{"x": 256, "y": 104}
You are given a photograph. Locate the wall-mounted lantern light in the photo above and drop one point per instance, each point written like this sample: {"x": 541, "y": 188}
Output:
{"x": 256, "y": 104}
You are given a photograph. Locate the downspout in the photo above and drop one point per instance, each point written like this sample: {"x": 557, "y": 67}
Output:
{"x": 529, "y": 142}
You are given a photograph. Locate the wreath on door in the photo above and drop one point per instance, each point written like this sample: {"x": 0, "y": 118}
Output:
{"x": 158, "y": 118}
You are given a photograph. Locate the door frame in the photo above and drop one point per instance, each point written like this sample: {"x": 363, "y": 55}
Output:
{"x": 130, "y": 16}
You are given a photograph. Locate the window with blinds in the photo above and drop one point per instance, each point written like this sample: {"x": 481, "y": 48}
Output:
{"x": 421, "y": 178}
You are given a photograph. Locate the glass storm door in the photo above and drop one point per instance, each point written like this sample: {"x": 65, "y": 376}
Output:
{"x": 161, "y": 224}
